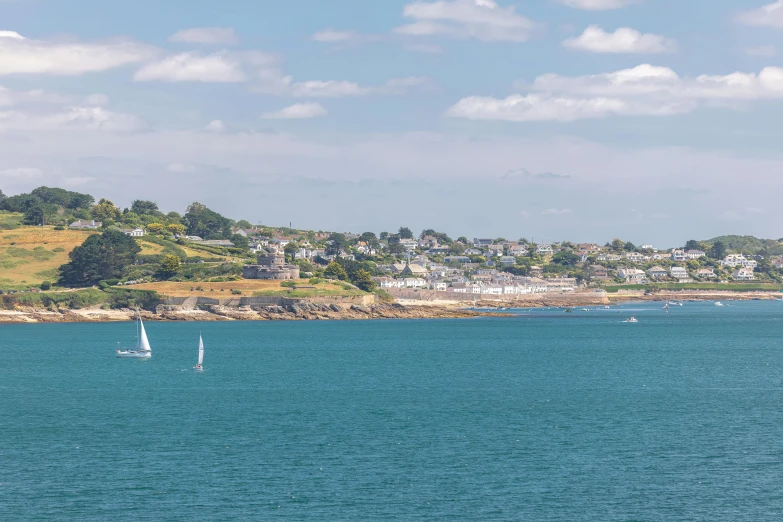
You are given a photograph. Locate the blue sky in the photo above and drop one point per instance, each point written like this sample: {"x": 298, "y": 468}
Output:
{"x": 651, "y": 120}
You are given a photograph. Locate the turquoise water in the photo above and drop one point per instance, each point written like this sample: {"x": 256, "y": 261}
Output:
{"x": 546, "y": 416}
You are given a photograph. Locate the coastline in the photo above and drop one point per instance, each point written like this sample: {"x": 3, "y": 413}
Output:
{"x": 299, "y": 312}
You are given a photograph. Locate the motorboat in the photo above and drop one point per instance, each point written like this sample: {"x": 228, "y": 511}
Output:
{"x": 631, "y": 320}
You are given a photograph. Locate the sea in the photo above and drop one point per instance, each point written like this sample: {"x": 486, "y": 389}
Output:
{"x": 540, "y": 416}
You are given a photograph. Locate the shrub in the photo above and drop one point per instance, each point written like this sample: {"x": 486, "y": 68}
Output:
{"x": 46, "y": 285}
{"x": 236, "y": 291}
{"x": 288, "y": 284}
{"x": 59, "y": 227}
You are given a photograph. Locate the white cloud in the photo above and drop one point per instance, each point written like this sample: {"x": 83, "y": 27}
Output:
{"x": 297, "y": 111}
{"x": 10, "y": 97}
{"x": 480, "y": 19}
{"x": 23, "y": 172}
{"x": 215, "y": 126}
{"x": 766, "y": 51}
{"x": 556, "y": 211}
{"x": 96, "y": 99}
{"x": 770, "y": 15}
{"x": 67, "y": 58}
{"x": 643, "y": 90}
{"x": 277, "y": 84}
{"x": 332, "y": 36}
{"x": 192, "y": 67}
{"x": 206, "y": 35}
{"x": 70, "y": 118}
{"x": 182, "y": 168}
{"x": 623, "y": 40}
{"x": 598, "y": 5}
{"x": 663, "y": 82}
{"x": 545, "y": 107}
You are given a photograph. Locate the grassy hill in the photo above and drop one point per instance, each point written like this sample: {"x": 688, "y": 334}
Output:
{"x": 248, "y": 288}
{"x": 31, "y": 255}
{"x": 749, "y": 244}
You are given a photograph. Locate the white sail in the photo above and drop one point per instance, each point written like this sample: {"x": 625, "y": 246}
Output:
{"x": 144, "y": 343}
{"x": 200, "y": 350}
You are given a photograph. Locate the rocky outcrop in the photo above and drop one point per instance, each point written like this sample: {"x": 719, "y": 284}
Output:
{"x": 303, "y": 311}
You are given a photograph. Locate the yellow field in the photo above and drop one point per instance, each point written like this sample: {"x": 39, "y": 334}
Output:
{"x": 149, "y": 249}
{"x": 248, "y": 287}
{"x": 31, "y": 255}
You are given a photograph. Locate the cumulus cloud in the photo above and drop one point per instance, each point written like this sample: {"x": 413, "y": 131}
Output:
{"x": 643, "y": 90}
{"x": 332, "y": 36}
{"x": 483, "y": 20}
{"x": 623, "y": 40}
{"x": 206, "y": 35}
{"x": 67, "y": 58}
{"x": 220, "y": 67}
{"x": 547, "y": 107}
{"x": 9, "y": 97}
{"x": 280, "y": 85}
{"x": 598, "y": 5}
{"x": 770, "y": 15}
{"x": 297, "y": 111}
{"x": 70, "y": 118}
{"x": 215, "y": 126}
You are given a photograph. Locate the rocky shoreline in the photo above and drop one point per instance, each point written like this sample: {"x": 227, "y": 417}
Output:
{"x": 299, "y": 312}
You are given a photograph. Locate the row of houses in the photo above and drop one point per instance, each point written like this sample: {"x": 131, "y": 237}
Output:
{"x": 657, "y": 273}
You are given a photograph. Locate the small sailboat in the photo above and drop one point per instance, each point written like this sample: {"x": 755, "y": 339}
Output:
{"x": 718, "y": 303}
{"x": 631, "y": 320}
{"x": 198, "y": 366}
{"x": 143, "y": 349}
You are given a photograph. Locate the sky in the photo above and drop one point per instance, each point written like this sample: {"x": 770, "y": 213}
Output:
{"x": 655, "y": 121}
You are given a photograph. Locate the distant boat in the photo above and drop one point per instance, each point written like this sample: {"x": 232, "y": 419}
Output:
{"x": 675, "y": 303}
{"x": 143, "y": 349}
{"x": 631, "y": 320}
{"x": 718, "y": 303}
{"x": 198, "y": 366}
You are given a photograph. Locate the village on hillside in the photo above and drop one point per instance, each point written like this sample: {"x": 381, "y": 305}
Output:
{"x": 202, "y": 245}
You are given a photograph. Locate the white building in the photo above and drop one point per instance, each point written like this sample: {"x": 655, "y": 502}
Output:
{"x": 544, "y": 250}
{"x": 678, "y": 255}
{"x": 694, "y": 254}
{"x": 133, "y": 232}
{"x": 678, "y": 273}
{"x": 632, "y": 276}
{"x": 744, "y": 274}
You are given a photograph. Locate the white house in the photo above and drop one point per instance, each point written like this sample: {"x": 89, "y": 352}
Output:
{"x": 657, "y": 272}
{"x": 635, "y": 257}
{"x": 678, "y": 273}
{"x": 744, "y": 274}
{"x": 678, "y": 255}
{"x": 86, "y": 225}
{"x": 508, "y": 260}
{"x": 544, "y": 250}
{"x": 694, "y": 254}
{"x": 133, "y": 232}
{"x": 632, "y": 276}
{"x": 706, "y": 273}
{"x": 440, "y": 286}
{"x": 478, "y": 243}
{"x": 733, "y": 260}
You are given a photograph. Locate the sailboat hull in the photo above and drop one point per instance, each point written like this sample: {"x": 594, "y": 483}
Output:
{"x": 133, "y": 355}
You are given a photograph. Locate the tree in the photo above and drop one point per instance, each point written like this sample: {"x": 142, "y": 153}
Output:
{"x": 169, "y": 266}
{"x": 206, "y": 223}
{"x": 565, "y": 258}
{"x": 46, "y": 285}
{"x": 142, "y": 208}
{"x": 176, "y": 228}
{"x": 629, "y": 247}
{"x": 244, "y": 224}
{"x": 290, "y": 249}
{"x": 63, "y": 198}
{"x": 405, "y": 233}
{"x": 2, "y": 198}
{"x": 384, "y": 235}
{"x": 463, "y": 240}
{"x": 692, "y": 244}
{"x": 105, "y": 211}
{"x": 40, "y": 213}
{"x": 240, "y": 241}
{"x": 156, "y": 228}
{"x": 336, "y": 244}
{"x": 364, "y": 281}
{"x": 718, "y": 250}
{"x": 100, "y": 257}
{"x": 335, "y": 271}
{"x": 617, "y": 245}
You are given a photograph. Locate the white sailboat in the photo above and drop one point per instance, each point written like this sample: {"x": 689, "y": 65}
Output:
{"x": 198, "y": 366}
{"x": 143, "y": 349}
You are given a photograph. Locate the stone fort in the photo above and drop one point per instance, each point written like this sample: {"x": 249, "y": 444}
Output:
{"x": 271, "y": 266}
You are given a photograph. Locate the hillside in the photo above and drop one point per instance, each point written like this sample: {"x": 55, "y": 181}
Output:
{"x": 749, "y": 245}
